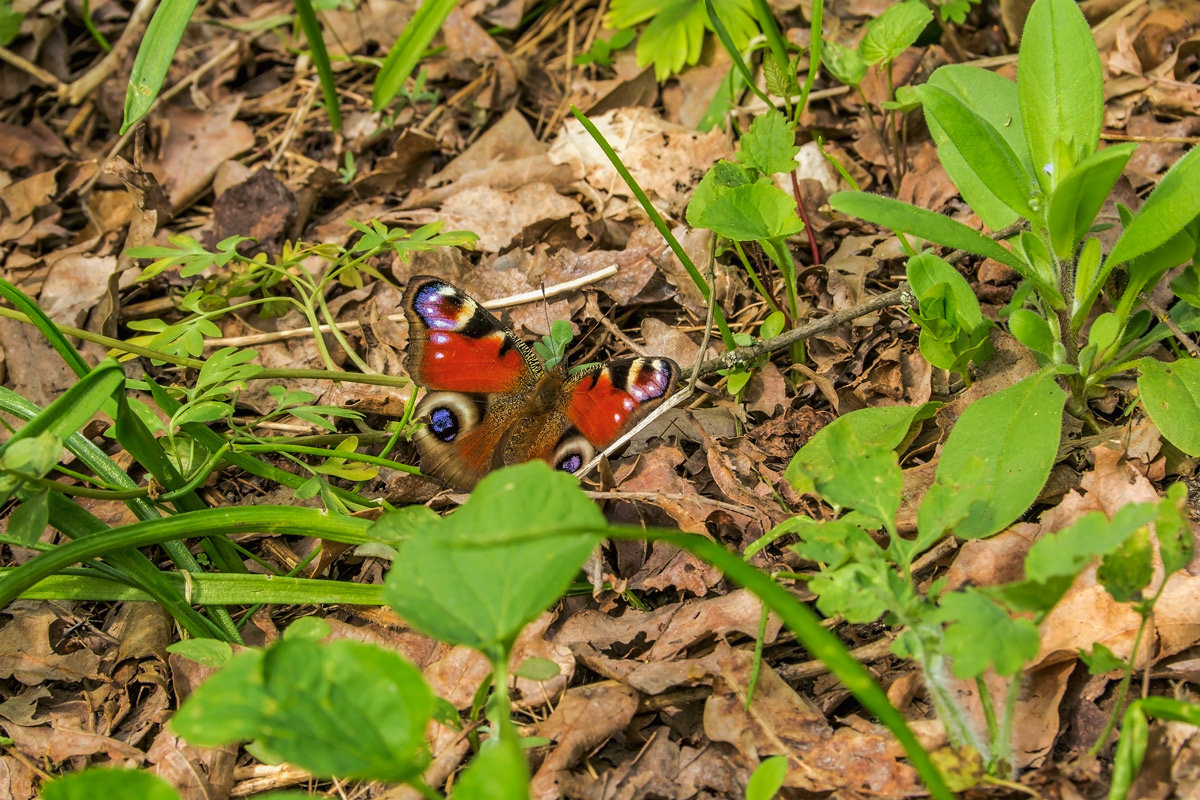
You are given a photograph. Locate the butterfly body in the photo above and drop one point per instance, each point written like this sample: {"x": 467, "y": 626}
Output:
{"x": 492, "y": 402}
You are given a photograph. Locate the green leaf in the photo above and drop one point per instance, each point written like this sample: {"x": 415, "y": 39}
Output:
{"x": 1060, "y": 86}
{"x": 538, "y": 669}
{"x": 1173, "y": 204}
{"x": 1016, "y": 433}
{"x": 1131, "y": 749}
{"x": 154, "y": 57}
{"x": 934, "y": 227}
{"x": 206, "y": 652}
{"x": 1009, "y": 643}
{"x": 10, "y": 23}
{"x": 1065, "y": 553}
{"x": 1127, "y": 569}
{"x": 863, "y": 476}
{"x": 843, "y": 63}
{"x": 1101, "y": 660}
{"x": 344, "y": 708}
{"x": 924, "y": 271}
{"x": 1174, "y": 533}
{"x": 111, "y": 784}
{"x": 28, "y": 521}
{"x": 994, "y": 98}
{"x": 894, "y": 31}
{"x": 983, "y": 149}
{"x": 1078, "y": 197}
{"x": 466, "y": 580}
{"x": 767, "y": 778}
{"x": 1171, "y": 396}
{"x": 884, "y": 425}
{"x": 675, "y": 35}
{"x": 207, "y": 411}
{"x": 1032, "y": 330}
{"x": 228, "y": 707}
{"x": 749, "y": 213}
{"x": 769, "y": 146}
{"x": 402, "y": 59}
{"x": 497, "y": 773}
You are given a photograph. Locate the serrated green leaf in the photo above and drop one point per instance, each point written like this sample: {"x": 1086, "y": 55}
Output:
{"x": 1009, "y": 644}
{"x": 769, "y": 146}
{"x": 894, "y": 31}
{"x": 206, "y": 652}
{"x": 749, "y": 213}
{"x": 1126, "y": 570}
{"x": 862, "y": 476}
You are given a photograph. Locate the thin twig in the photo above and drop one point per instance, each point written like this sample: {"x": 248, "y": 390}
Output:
{"x": 901, "y": 295}
{"x": 349, "y": 325}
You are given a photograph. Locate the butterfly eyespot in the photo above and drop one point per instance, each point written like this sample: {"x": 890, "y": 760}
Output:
{"x": 572, "y": 453}
{"x": 448, "y": 414}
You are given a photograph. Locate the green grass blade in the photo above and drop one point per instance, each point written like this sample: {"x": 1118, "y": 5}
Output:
{"x": 210, "y": 589}
{"x": 154, "y": 57}
{"x": 320, "y": 57}
{"x": 402, "y": 59}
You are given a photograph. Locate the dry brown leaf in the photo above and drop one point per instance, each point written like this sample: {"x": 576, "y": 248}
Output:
{"x": 781, "y": 722}
{"x": 585, "y": 717}
{"x": 27, "y": 655}
{"x": 196, "y": 143}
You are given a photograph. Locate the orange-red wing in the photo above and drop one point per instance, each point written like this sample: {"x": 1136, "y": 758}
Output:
{"x": 605, "y": 402}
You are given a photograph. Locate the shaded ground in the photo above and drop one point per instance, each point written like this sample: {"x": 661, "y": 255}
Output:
{"x": 648, "y": 703}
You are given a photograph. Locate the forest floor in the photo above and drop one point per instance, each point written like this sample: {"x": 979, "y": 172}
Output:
{"x": 648, "y": 702}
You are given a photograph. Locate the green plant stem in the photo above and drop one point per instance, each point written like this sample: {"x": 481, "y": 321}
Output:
{"x": 1119, "y": 704}
{"x": 656, "y": 218}
{"x": 933, "y": 665}
{"x": 989, "y": 716}
{"x": 317, "y": 451}
{"x": 1004, "y": 742}
{"x": 807, "y": 628}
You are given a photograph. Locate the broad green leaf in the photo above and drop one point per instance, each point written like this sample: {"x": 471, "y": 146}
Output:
{"x": 984, "y": 150}
{"x": 1078, "y": 197}
{"x": 1127, "y": 569}
{"x": 1032, "y": 330}
{"x": 154, "y": 57}
{"x": 1009, "y": 643}
{"x": 497, "y": 773}
{"x": 885, "y": 425}
{"x": 994, "y": 98}
{"x": 28, "y": 521}
{"x": 925, "y": 270}
{"x": 402, "y": 59}
{"x": 1060, "y": 86}
{"x": 228, "y": 707}
{"x": 843, "y": 63}
{"x": 769, "y": 146}
{"x": 1016, "y": 433}
{"x": 110, "y": 784}
{"x": 1187, "y": 285}
{"x": 767, "y": 778}
{"x": 928, "y": 225}
{"x": 207, "y": 652}
{"x": 1171, "y": 397}
{"x": 894, "y": 31}
{"x": 1173, "y": 204}
{"x": 345, "y": 708}
{"x": 863, "y": 476}
{"x": 537, "y": 669}
{"x": 480, "y": 574}
{"x": 750, "y": 213}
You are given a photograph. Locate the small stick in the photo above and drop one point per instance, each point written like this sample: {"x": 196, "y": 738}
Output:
{"x": 349, "y": 325}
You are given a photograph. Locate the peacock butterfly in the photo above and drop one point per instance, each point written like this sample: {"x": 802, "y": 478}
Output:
{"x": 492, "y": 402}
